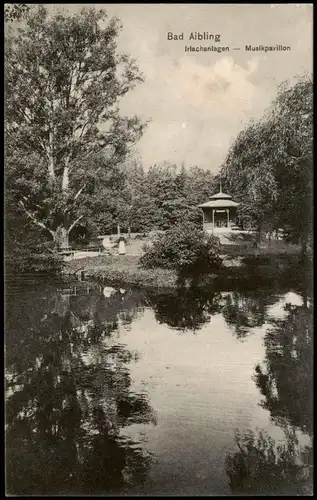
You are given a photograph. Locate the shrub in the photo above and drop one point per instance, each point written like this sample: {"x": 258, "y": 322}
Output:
{"x": 30, "y": 253}
{"x": 32, "y": 260}
{"x": 183, "y": 248}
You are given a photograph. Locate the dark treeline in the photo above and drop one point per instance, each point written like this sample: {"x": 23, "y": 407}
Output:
{"x": 158, "y": 197}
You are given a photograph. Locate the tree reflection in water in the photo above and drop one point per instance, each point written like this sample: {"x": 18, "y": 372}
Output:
{"x": 191, "y": 308}
{"x": 247, "y": 310}
{"x": 185, "y": 308}
{"x": 68, "y": 397}
{"x": 286, "y": 380}
{"x": 261, "y": 466}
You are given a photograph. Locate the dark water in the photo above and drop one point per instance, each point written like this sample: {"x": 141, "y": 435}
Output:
{"x": 186, "y": 393}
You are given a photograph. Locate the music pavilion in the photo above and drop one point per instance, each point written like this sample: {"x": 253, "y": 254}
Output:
{"x": 219, "y": 213}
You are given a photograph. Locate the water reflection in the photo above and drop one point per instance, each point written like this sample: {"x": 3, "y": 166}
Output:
{"x": 69, "y": 396}
{"x": 285, "y": 378}
{"x": 191, "y": 308}
{"x": 261, "y": 466}
{"x": 247, "y": 310}
{"x": 80, "y": 362}
{"x": 184, "y": 309}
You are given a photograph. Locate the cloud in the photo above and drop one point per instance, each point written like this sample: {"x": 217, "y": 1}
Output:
{"x": 213, "y": 94}
{"x": 210, "y": 101}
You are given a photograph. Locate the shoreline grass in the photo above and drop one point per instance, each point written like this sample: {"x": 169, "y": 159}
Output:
{"x": 125, "y": 270}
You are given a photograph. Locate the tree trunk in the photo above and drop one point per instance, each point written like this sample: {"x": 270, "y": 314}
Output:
{"x": 259, "y": 235}
{"x": 65, "y": 181}
{"x": 51, "y": 170}
{"x": 257, "y": 241}
{"x": 304, "y": 244}
{"x": 305, "y": 297}
{"x": 61, "y": 237}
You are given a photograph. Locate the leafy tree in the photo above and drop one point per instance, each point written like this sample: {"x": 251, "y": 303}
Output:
{"x": 250, "y": 177}
{"x": 136, "y": 206}
{"x": 163, "y": 196}
{"x": 200, "y": 185}
{"x": 64, "y": 131}
{"x": 291, "y": 120}
{"x": 269, "y": 167}
{"x": 27, "y": 249}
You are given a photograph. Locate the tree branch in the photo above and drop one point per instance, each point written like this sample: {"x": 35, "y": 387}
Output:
{"x": 74, "y": 223}
{"x": 83, "y": 187}
{"x": 80, "y": 191}
{"x": 37, "y": 222}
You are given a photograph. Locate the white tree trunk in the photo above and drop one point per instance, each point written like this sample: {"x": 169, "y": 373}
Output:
{"x": 51, "y": 170}
{"x": 65, "y": 181}
{"x": 61, "y": 237}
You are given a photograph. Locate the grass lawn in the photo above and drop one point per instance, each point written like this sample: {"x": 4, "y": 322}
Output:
{"x": 124, "y": 269}
{"x": 239, "y": 261}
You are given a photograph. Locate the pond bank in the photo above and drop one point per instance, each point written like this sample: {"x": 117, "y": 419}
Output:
{"x": 125, "y": 270}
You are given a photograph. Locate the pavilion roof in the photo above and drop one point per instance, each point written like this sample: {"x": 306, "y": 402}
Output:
{"x": 221, "y": 196}
{"x": 222, "y": 203}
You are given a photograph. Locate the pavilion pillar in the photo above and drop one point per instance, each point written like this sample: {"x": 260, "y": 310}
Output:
{"x": 228, "y": 219}
{"x": 213, "y": 220}
{"x": 203, "y": 220}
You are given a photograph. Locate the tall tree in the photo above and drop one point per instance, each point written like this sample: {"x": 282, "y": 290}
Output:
{"x": 64, "y": 80}
{"x": 269, "y": 167}
{"x": 250, "y": 177}
{"x": 291, "y": 121}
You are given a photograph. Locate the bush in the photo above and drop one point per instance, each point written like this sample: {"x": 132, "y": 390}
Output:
{"x": 30, "y": 254}
{"x": 32, "y": 261}
{"x": 183, "y": 248}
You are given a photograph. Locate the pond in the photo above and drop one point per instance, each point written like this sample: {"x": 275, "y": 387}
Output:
{"x": 188, "y": 392}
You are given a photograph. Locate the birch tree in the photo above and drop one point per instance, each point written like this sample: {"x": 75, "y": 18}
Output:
{"x": 63, "y": 84}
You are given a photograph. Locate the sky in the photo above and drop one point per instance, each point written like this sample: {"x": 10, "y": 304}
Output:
{"x": 199, "y": 101}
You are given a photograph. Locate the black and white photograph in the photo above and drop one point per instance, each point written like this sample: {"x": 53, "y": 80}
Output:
{"x": 158, "y": 249}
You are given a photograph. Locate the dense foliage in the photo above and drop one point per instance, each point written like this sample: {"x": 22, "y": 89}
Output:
{"x": 15, "y": 11}
{"x": 269, "y": 168}
{"x": 64, "y": 131}
{"x": 183, "y": 248}
{"x": 27, "y": 252}
{"x": 65, "y": 139}
{"x": 163, "y": 196}
{"x": 67, "y": 176}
